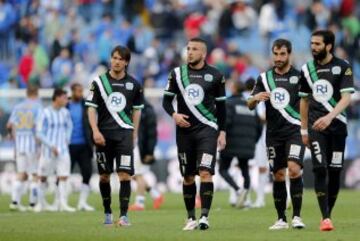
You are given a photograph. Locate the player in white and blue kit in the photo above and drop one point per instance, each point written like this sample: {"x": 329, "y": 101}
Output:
{"x": 54, "y": 129}
{"x": 21, "y": 125}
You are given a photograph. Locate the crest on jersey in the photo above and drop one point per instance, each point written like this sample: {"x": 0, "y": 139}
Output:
{"x": 336, "y": 70}
{"x": 322, "y": 90}
{"x": 208, "y": 77}
{"x": 129, "y": 86}
{"x": 279, "y": 98}
{"x": 194, "y": 94}
{"x": 294, "y": 80}
{"x": 116, "y": 102}
{"x": 348, "y": 71}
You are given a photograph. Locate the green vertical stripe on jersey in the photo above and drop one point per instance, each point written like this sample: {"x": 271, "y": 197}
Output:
{"x": 203, "y": 110}
{"x": 314, "y": 77}
{"x": 270, "y": 78}
{"x": 108, "y": 89}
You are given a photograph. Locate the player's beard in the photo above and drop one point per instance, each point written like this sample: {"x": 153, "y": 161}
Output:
{"x": 281, "y": 64}
{"x": 194, "y": 62}
{"x": 319, "y": 55}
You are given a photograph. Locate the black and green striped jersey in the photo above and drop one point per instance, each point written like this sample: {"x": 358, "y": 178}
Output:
{"x": 114, "y": 101}
{"x": 198, "y": 94}
{"x": 282, "y": 109}
{"x": 323, "y": 84}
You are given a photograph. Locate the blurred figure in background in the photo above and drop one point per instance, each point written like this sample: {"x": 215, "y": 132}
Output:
{"x": 54, "y": 128}
{"x": 144, "y": 157}
{"x": 243, "y": 128}
{"x": 81, "y": 148}
{"x": 21, "y": 125}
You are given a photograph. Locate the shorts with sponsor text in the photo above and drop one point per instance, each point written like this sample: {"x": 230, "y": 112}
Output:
{"x": 280, "y": 152}
{"x": 118, "y": 151}
{"x": 197, "y": 150}
{"x": 327, "y": 150}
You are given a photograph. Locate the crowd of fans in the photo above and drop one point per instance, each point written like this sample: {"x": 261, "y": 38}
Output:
{"x": 58, "y": 42}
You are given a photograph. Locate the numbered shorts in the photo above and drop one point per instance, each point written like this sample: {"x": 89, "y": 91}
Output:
{"x": 327, "y": 150}
{"x": 197, "y": 150}
{"x": 280, "y": 152}
{"x": 118, "y": 151}
{"x": 140, "y": 168}
{"x": 27, "y": 163}
{"x": 59, "y": 165}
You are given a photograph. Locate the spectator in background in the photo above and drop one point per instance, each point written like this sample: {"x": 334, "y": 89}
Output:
{"x": 26, "y": 65}
{"x": 317, "y": 16}
{"x": 81, "y": 146}
{"x": 62, "y": 68}
{"x": 7, "y": 21}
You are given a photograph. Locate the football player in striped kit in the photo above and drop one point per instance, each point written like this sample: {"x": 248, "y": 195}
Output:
{"x": 54, "y": 129}
{"x": 21, "y": 125}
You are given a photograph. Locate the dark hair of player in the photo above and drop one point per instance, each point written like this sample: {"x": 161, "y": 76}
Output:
{"x": 278, "y": 43}
{"x": 328, "y": 37}
{"x": 124, "y": 52}
{"x": 32, "y": 90}
{"x": 74, "y": 86}
{"x": 57, "y": 93}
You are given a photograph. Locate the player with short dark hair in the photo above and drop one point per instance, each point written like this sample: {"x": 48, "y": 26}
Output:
{"x": 21, "y": 126}
{"x": 326, "y": 87}
{"x": 114, "y": 102}
{"x": 81, "y": 145}
{"x": 54, "y": 129}
{"x": 200, "y": 125}
{"x": 278, "y": 87}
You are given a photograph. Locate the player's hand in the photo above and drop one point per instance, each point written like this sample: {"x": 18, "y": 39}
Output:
{"x": 55, "y": 151}
{"x": 148, "y": 159}
{"x": 305, "y": 140}
{"x": 180, "y": 120}
{"x": 322, "y": 123}
{"x": 99, "y": 138}
{"x": 221, "y": 141}
{"x": 262, "y": 96}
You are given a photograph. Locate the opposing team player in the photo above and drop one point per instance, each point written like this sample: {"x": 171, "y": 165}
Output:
{"x": 114, "y": 112}
{"x": 278, "y": 87}
{"x": 200, "y": 120}
{"x": 22, "y": 124}
{"x": 326, "y": 87}
{"x": 53, "y": 129}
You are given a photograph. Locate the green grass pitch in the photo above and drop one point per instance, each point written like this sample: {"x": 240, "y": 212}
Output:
{"x": 161, "y": 225}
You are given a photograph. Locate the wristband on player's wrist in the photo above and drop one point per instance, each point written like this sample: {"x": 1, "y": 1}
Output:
{"x": 304, "y": 132}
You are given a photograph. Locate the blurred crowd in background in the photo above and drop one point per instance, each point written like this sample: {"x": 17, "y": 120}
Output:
{"x": 56, "y": 43}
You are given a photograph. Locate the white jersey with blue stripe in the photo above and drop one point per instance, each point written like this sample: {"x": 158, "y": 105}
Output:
{"x": 54, "y": 129}
{"x": 23, "y": 119}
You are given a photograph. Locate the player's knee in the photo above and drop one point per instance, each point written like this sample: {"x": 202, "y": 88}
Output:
{"x": 23, "y": 176}
{"x": 279, "y": 176}
{"x": 205, "y": 175}
{"x": 188, "y": 180}
{"x": 262, "y": 169}
{"x": 104, "y": 178}
{"x": 123, "y": 176}
{"x": 294, "y": 170}
{"x": 42, "y": 179}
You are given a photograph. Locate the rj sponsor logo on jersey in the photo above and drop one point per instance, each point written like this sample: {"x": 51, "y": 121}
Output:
{"x": 322, "y": 91}
{"x": 116, "y": 102}
{"x": 194, "y": 93}
{"x": 279, "y": 98}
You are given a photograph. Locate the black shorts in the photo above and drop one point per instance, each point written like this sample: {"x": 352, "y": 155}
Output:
{"x": 280, "y": 152}
{"x": 120, "y": 151}
{"x": 197, "y": 150}
{"x": 327, "y": 150}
